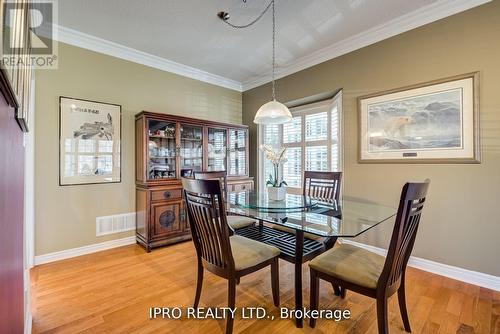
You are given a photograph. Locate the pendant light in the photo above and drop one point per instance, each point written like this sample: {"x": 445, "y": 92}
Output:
{"x": 273, "y": 112}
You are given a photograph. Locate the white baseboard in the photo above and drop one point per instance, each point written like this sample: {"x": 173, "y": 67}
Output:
{"x": 28, "y": 322}
{"x": 464, "y": 275}
{"x": 73, "y": 252}
{"x": 460, "y": 274}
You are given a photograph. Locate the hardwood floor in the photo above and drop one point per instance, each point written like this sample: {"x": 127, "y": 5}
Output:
{"x": 112, "y": 291}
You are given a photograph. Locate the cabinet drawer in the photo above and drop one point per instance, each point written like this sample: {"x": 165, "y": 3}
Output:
{"x": 167, "y": 194}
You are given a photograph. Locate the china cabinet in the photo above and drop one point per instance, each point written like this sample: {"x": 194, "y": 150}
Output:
{"x": 170, "y": 147}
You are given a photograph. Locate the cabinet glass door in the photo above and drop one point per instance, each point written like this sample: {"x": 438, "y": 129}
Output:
{"x": 217, "y": 149}
{"x": 191, "y": 149}
{"x": 237, "y": 152}
{"x": 161, "y": 150}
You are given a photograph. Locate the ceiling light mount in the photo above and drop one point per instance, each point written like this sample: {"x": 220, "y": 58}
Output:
{"x": 224, "y": 16}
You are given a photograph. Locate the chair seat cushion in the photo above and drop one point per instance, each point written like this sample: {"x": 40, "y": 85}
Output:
{"x": 350, "y": 263}
{"x": 237, "y": 222}
{"x": 248, "y": 253}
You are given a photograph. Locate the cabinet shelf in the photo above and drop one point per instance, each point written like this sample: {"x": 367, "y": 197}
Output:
{"x": 162, "y": 169}
{"x": 185, "y": 146}
{"x": 161, "y": 137}
{"x": 192, "y": 139}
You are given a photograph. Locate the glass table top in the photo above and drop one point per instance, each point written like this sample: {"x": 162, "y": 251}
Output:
{"x": 346, "y": 218}
{"x": 259, "y": 201}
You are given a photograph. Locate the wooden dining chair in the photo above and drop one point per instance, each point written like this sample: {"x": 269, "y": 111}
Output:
{"x": 235, "y": 222}
{"x": 230, "y": 257}
{"x": 324, "y": 187}
{"x": 370, "y": 274}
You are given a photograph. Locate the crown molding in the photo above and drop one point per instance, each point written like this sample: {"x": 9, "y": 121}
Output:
{"x": 412, "y": 20}
{"x": 417, "y": 18}
{"x": 93, "y": 43}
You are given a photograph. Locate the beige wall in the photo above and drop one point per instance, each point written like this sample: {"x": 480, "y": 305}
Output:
{"x": 65, "y": 216}
{"x": 461, "y": 224}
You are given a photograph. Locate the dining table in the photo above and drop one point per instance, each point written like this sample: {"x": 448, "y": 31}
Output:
{"x": 303, "y": 227}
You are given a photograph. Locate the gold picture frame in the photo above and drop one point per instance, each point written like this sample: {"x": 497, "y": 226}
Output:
{"x": 431, "y": 122}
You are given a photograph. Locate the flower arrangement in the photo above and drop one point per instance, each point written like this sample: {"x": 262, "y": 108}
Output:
{"x": 277, "y": 158}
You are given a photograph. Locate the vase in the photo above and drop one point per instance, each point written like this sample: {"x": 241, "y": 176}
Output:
{"x": 276, "y": 193}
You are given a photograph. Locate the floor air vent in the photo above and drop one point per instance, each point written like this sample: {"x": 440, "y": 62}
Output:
{"x": 115, "y": 224}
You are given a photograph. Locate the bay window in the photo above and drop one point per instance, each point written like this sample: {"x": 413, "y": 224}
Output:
{"x": 312, "y": 140}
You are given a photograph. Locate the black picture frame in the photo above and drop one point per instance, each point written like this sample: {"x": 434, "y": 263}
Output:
{"x": 60, "y": 144}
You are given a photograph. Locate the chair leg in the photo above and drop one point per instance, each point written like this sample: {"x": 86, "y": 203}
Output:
{"x": 336, "y": 289}
{"x": 275, "y": 282}
{"x": 199, "y": 284}
{"x": 383, "y": 323}
{"x": 231, "y": 302}
{"x": 314, "y": 298}
{"x": 402, "y": 307}
{"x": 343, "y": 292}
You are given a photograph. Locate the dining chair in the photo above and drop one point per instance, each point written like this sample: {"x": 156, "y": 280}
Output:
{"x": 370, "y": 274}
{"x": 234, "y": 221}
{"x": 324, "y": 187}
{"x": 229, "y": 257}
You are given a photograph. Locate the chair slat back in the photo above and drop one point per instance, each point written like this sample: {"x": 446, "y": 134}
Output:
{"x": 405, "y": 230}
{"x": 207, "y": 219}
{"x": 218, "y": 175}
{"x": 323, "y": 186}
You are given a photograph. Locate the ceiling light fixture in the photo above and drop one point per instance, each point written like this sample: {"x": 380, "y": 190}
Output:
{"x": 273, "y": 112}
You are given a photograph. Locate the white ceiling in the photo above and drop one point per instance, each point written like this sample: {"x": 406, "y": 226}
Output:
{"x": 188, "y": 32}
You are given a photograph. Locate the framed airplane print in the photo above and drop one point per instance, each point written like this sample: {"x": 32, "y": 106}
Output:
{"x": 89, "y": 142}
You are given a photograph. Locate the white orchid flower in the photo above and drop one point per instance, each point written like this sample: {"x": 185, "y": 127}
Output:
{"x": 276, "y": 158}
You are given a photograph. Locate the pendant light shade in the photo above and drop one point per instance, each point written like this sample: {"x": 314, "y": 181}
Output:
{"x": 272, "y": 112}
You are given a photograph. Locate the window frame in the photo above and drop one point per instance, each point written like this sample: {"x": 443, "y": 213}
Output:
{"x": 303, "y": 111}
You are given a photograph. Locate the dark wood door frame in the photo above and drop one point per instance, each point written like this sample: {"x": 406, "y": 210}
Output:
{"x": 11, "y": 216}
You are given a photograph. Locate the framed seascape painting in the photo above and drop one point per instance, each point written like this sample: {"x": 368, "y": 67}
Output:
{"x": 89, "y": 142}
{"x": 434, "y": 122}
